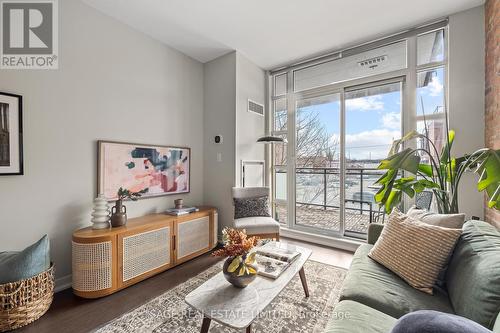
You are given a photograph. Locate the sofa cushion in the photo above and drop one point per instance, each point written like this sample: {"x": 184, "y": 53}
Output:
{"x": 414, "y": 250}
{"x": 31, "y": 261}
{"x": 454, "y": 221}
{"x": 354, "y": 317}
{"x": 258, "y": 225}
{"x": 473, "y": 276}
{"x": 372, "y": 284}
{"x": 427, "y": 321}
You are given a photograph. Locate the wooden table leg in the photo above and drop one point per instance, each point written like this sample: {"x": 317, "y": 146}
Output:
{"x": 249, "y": 329}
{"x": 302, "y": 275}
{"x": 205, "y": 325}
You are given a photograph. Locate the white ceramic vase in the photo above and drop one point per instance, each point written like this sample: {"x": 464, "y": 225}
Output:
{"x": 101, "y": 213}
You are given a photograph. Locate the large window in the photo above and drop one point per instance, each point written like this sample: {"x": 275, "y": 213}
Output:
{"x": 340, "y": 116}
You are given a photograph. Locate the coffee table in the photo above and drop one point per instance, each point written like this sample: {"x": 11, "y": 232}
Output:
{"x": 237, "y": 308}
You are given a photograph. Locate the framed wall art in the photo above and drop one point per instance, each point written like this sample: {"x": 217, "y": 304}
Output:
{"x": 162, "y": 170}
{"x": 11, "y": 134}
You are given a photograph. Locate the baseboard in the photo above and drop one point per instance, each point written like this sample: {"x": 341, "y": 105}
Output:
{"x": 343, "y": 244}
{"x": 62, "y": 283}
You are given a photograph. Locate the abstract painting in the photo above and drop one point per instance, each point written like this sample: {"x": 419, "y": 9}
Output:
{"x": 11, "y": 135}
{"x": 162, "y": 170}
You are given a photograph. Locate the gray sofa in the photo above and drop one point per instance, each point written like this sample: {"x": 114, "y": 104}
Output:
{"x": 373, "y": 298}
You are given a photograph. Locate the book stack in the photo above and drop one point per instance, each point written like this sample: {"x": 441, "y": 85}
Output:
{"x": 181, "y": 211}
{"x": 272, "y": 260}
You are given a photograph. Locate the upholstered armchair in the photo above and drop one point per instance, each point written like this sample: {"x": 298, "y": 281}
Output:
{"x": 261, "y": 226}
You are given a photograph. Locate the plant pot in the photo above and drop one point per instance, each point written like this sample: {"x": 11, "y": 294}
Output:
{"x": 233, "y": 278}
{"x": 119, "y": 214}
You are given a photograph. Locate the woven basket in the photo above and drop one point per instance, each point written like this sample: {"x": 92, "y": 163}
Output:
{"x": 23, "y": 302}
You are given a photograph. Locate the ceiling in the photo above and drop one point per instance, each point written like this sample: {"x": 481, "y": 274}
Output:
{"x": 273, "y": 32}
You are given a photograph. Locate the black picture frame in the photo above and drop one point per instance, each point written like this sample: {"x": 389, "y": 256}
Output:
{"x": 19, "y": 134}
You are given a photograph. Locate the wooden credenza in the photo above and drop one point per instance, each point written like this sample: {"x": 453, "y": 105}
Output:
{"x": 105, "y": 261}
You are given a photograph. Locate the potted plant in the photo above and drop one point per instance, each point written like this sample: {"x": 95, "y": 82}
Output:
{"x": 407, "y": 172}
{"x": 119, "y": 211}
{"x": 239, "y": 268}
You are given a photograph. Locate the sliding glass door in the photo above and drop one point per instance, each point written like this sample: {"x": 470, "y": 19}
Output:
{"x": 372, "y": 122}
{"x": 317, "y": 162}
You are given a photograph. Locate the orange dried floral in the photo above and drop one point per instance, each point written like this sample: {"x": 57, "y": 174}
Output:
{"x": 236, "y": 243}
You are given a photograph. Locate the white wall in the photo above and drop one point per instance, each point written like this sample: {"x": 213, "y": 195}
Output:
{"x": 250, "y": 84}
{"x": 219, "y": 119}
{"x": 113, "y": 83}
{"x": 230, "y": 81}
{"x": 466, "y": 96}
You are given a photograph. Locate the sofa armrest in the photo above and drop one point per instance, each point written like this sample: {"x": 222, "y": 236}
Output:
{"x": 374, "y": 231}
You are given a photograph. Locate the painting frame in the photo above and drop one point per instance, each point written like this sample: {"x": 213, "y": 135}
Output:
{"x": 14, "y": 139}
{"x": 101, "y": 174}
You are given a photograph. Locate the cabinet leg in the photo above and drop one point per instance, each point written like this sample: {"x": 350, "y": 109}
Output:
{"x": 205, "y": 325}
{"x": 302, "y": 275}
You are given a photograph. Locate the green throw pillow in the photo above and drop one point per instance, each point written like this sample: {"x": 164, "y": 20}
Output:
{"x": 31, "y": 261}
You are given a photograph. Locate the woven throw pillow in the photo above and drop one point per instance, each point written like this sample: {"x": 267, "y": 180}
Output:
{"x": 454, "y": 221}
{"x": 414, "y": 250}
{"x": 248, "y": 207}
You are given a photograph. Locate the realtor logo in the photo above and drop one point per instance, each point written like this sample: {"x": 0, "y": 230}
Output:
{"x": 29, "y": 34}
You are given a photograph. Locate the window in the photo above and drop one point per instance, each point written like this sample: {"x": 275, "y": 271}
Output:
{"x": 380, "y": 60}
{"x": 340, "y": 116}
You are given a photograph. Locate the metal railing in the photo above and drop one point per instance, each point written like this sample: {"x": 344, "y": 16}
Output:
{"x": 360, "y": 203}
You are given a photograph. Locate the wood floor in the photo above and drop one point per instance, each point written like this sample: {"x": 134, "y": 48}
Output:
{"x": 72, "y": 314}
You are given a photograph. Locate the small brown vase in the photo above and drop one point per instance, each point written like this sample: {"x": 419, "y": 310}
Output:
{"x": 118, "y": 214}
{"x": 233, "y": 278}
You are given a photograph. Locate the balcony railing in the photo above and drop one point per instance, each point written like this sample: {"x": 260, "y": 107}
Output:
{"x": 319, "y": 188}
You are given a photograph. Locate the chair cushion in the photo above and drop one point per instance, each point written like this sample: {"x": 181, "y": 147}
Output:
{"x": 372, "y": 284}
{"x": 454, "y": 221}
{"x": 248, "y": 207}
{"x": 426, "y": 321}
{"x": 258, "y": 225}
{"x": 31, "y": 261}
{"x": 414, "y": 250}
{"x": 354, "y": 317}
{"x": 473, "y": 276}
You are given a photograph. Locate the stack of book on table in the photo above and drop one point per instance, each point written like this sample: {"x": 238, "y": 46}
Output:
{"x": 273, "y": 259}
{"x": 181, "y": 211}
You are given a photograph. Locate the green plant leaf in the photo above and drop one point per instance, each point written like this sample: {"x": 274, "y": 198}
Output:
{"x": 426, "y": 169}
{"x": 392, "y": 201}
{"x": 233, "y": 266}
{"x": 406, "y": 160}
{"x": 489, "y": 180}
{"x": 443, "y": 160}
{"x": 242, "y": 271}
{"x": 251, "y": 270}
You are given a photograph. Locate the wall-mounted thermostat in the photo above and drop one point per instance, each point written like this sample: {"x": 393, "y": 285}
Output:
{"x": 218, "y": 139}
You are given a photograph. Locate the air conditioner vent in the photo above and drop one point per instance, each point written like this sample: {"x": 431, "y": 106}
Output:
{"x": 255, "y": 107}
{"x": 373, "y": 62}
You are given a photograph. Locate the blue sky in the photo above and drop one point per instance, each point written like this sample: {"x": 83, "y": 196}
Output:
{"x": 373, "y": 122}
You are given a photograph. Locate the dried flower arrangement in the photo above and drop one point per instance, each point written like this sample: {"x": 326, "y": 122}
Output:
{"x": 237, "y": 245}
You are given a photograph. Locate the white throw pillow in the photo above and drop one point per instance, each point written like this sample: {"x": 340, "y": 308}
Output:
{"x": 453, "y": 221}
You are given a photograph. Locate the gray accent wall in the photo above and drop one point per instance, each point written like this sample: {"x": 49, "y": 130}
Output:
{"x": 466, "y": 97}
{"x": 113, "y": 83}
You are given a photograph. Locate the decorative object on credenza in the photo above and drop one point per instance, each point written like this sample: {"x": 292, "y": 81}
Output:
{"x": 119, "y": 211}
{"x": 162, "y": 170}
{"x": 11, "y": 134}
{"x": 239, "y": 268}
{"x": 178, "y": 203}
{"x": 100, "y": 214}
{"x": 181, "y": 211}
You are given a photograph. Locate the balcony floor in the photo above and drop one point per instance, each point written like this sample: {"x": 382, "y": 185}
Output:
{"x": 328, "y": 219}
